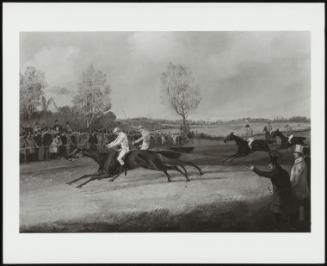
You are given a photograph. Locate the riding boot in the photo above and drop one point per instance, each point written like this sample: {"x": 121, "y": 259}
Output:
{"x": 121, "y": 169}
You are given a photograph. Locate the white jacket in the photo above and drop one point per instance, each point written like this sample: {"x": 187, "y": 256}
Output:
{"x": 145, "y": 138}
{"x": 121, "y": 141}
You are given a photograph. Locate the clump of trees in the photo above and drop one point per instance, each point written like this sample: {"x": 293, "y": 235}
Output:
{"x": 93, "y": 97}
{"x": 180, "y": 92}
{"x": 31, "y": 90}
{"x": 91, "y": 105}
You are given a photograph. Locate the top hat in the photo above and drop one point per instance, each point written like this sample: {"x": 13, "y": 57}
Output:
{"x": 298, "y": 149}
{"x": 116, "y": 129}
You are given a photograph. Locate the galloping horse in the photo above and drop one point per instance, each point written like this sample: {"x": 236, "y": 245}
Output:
{"x": 285, "y": 143}
{"x": 153, "y": 160}
{"x": 243, "y": 148}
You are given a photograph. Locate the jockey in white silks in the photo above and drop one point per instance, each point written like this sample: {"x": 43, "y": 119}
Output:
{"x": 249, "y": 135}
{"x": 121, "y": 141}
{"x": 163, "y": 139}
{"x": 145, "y": 138}
{"x": 175, "y": 135}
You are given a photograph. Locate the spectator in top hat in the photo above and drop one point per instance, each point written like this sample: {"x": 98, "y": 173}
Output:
{"x": 39, "y": 151}
{"x": 93, "y": 140}
{"x": 280, "y": 180}
{"x": 63, "y": 147}
{"x": 57, "y": 127}
{"x": 299, "y": 184}
{"x": 68, "y": 128}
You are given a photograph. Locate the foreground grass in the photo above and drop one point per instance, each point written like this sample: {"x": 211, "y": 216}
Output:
{"x": 238, "y": 216}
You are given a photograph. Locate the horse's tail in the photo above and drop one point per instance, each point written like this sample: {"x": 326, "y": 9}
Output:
{"x": 170, "y": 154}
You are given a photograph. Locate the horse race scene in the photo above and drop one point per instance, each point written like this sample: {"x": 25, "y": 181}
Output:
{"x": 165, "y": 131}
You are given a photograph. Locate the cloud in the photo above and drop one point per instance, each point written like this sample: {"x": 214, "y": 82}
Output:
{"x": 239, "y": 73}
{"x": 59, "y": 63}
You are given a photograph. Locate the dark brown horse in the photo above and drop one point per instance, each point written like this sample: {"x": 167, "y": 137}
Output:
{"x": 284, "y": 141}
{"x": 243, "y": 148}
{"x": 153, "y": 160}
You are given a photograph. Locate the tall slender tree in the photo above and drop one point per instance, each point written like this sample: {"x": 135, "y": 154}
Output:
{"x": 180, "y": 91}
{"x": 32, "y": 84}
{"x": 93, "y": 97}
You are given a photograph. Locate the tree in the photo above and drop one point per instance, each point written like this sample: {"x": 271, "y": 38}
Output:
{"x": 180, "y": 91}
{"x": 93, "y": 97}
{"x": 46, "y": 103}
{"x": 105, "y": 121}
{"x": 32, "y": 84}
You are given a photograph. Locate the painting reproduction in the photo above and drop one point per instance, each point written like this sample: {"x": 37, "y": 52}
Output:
{"x": 167, "y": 131}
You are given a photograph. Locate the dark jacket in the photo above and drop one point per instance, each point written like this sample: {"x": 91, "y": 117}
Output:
{"x": 63, "y": 139}
{"x": 93, "y": 140}
{"x": 47, "y": 139}
{"x": 280, "y": 180}
{"x": 38, "y": 139}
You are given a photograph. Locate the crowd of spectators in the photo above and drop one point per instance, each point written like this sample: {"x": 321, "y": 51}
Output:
{"x": 42, "y": 142}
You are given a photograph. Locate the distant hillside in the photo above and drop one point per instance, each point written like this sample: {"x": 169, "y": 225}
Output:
{"x": 154, "y": 124}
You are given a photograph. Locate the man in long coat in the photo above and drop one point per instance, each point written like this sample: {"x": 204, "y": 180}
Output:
{"x": 299, "y": 184}
{"x": 280, "y": 180}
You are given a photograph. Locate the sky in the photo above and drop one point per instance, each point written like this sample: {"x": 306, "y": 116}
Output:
{"x": 240, "y": 74}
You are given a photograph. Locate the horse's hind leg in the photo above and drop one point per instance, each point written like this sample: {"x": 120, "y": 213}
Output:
{"x": 168, "y": 176}
{"x": 175, "y": 167}
{"x": 192, "y": 164}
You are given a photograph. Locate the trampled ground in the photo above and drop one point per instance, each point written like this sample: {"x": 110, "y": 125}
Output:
{"x": 226, "y": 198}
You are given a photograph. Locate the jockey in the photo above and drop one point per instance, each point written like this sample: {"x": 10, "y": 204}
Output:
{"x": 121, "y": 141}
{"x": 145, "y": 138}
{"x": 249, "y": 135}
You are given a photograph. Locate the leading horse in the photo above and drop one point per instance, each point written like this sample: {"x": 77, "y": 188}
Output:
{"x": 153, "y": 160}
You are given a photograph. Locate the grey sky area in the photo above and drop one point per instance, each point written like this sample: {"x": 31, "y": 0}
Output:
{"x": 240, "y": 74}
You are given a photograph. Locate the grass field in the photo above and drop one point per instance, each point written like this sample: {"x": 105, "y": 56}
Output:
{"x": 227, "y": 198}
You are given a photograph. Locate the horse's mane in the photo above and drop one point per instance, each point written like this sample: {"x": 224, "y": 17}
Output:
{"x": 280, "y": 134}
{"x": 238, "y": 138}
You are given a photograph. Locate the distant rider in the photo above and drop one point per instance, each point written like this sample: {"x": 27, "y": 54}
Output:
{"x": 249, "y": 135}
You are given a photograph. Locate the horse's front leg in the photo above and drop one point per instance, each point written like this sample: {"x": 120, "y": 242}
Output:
{"x": 98, "y": 177}
{"x": 175, "y": 167}
{"x": 112, "y": 179}
{"x": 82, "y": 177}
{"x": 234, "y": 157}
{"x": 192, "y": 164}
{"x": 230, "y": 157}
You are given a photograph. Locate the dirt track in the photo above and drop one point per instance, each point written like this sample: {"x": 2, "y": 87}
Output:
{"x": 223, "y": 199}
